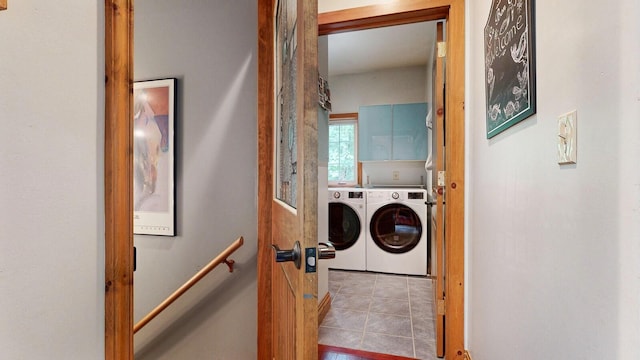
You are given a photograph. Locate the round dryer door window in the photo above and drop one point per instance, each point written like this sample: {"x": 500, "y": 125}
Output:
{"x": 395, "y": 228}
{"x": 344, "y": 226}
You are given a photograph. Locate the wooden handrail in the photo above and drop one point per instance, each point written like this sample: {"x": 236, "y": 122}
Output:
{"x": 222, "y": 258}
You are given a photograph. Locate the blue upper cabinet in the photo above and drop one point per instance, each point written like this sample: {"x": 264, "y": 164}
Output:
{"x": 374, "y": 132}
{"x": 392, "y": 132}
{"x": 409, "y": 132}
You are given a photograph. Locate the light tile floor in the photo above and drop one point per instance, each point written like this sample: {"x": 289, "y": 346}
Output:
{"x": 390, "y": 314}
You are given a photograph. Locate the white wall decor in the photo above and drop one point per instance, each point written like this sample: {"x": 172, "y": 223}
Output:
{"x": 567, "y": 138}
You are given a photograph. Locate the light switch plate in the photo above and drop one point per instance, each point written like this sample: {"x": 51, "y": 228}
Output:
{"x": 567, "y": 138}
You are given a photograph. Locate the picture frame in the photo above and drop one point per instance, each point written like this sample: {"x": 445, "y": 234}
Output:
{"x": 153, "y": 121}
{"x": 509, "y": 55}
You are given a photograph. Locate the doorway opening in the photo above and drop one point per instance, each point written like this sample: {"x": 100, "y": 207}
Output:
{"x": 377, "y": 73}
{"x": 452, "y": 12}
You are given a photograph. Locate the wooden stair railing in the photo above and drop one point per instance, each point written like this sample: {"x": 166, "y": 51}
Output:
{"x": 221, "y": 258}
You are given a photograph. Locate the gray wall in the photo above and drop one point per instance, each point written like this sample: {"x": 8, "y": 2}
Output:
{"x": 51, "y": 180}
{"x": 553, "y": 250}
{"x": 210, "y": 46}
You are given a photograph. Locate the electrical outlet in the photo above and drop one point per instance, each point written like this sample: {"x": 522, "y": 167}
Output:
{"x": 396, "y": 175}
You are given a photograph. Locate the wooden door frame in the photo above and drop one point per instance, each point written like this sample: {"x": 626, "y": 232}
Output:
{"x": 118, "y": 180}
{"x": 452, "y": 11}
{"x": 266, "y": 38}
{"x": 437, "y": 235}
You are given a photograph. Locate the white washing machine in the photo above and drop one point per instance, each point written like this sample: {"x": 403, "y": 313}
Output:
{"x": 347, "y": 228}
{"x": 397, "y": 231}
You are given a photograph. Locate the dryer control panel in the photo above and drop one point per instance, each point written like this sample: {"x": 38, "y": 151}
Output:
{"x": 356, "y": 195}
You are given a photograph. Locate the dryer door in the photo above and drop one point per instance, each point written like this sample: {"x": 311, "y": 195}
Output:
{"x": 344, "y": 225}
{"x": 395, "y": 228}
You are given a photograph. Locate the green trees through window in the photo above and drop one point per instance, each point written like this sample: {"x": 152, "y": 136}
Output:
{"x": 342, "y": 153}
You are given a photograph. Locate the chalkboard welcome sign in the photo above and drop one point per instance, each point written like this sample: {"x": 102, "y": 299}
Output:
{"x": 509, "y": 64}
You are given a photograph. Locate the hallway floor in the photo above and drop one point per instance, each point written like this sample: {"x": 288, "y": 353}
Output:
{"x": 391, "y": 314}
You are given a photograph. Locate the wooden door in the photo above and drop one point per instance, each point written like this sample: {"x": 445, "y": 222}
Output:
{"x": 438, "y": 151}
{"x": 287, "y": 178}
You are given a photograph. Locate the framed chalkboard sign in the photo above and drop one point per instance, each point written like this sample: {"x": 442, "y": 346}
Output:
{"x": 509, "y": 64}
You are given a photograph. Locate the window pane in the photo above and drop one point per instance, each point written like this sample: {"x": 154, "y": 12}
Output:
{"x": 346, "y": 132}
{"x": 342, "y": 155}
{"x": 334, "y": 172}
{"x": 334, "y": 134}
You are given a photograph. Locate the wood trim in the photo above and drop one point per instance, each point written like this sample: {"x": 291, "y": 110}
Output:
{"x": 438, "y": 146}
{"x": 323, "y": 307}
{"x": 452, "y": 11}
{"x": 326, "y": 352}
{"x": 381, "y": 15}
{"x": 118, "y": 180}
{"x": 3, "y": 4}
{"x": 438, "y": 165}
{"x": 307, "y": 83}
{"x": 343, "y": 116}
{"x": 455, "y": 161}
{"x": 265, "y": 168}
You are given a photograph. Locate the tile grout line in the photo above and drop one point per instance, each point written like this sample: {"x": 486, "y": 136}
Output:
{"x": 366, "y": 321}
{"x": 413, "y": 335}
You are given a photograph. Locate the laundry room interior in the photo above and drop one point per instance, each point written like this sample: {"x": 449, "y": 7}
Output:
{"x": 375, "y": 190}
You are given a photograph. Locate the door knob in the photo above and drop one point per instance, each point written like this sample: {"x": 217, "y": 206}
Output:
{"x": 326, "y": 251}
{"x": 289, "y": 255}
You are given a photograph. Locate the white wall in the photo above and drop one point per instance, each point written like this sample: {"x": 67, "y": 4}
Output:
{"x": 210, "y": 46}
{"x": 553, "y": 269}
{"x": 392, "y": 86}
{"x": 51, "y": 180}
{"x": 333, "y": 5}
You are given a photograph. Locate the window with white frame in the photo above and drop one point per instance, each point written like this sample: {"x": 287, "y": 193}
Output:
{"x": 343, "y": 169}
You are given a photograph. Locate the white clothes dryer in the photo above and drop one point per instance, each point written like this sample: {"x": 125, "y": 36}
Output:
{"x": 397, "y": 231}
{"x": 347, "y": 228}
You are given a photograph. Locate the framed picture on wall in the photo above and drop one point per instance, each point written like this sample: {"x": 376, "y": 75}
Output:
{"x": 509, "y": 56}
{"x": 153, "y": 157}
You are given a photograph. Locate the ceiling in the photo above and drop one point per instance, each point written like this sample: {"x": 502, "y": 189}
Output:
{"x": 381, "y": 48}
